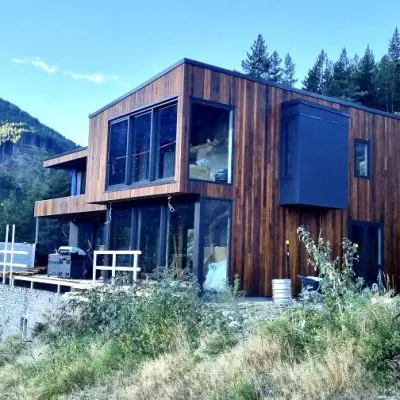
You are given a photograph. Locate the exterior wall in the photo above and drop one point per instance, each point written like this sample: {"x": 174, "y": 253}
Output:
{"x": 166, "y": 87}
{"x": 260, "y": 224}
{"x": 18, "y": 304}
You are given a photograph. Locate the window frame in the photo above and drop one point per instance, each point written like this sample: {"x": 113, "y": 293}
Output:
{"x": 198, "y": 253}
{"x": 231, "y": 108}
{"x": 369, "y": 158}
{"x": 198, "y": 226}
{"x": 129, "y": 183}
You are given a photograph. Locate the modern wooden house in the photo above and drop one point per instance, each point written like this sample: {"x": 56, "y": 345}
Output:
{"x": 210, "y": 169}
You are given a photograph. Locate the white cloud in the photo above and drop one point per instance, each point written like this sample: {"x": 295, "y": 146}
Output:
{"x": 97, "y": 78}
{"x": 36, "y": 62}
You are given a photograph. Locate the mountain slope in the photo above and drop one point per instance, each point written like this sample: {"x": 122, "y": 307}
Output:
{"x": 24, "y": 143}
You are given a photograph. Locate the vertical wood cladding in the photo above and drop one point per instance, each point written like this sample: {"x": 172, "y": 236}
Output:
{"x": 260, "y": 225}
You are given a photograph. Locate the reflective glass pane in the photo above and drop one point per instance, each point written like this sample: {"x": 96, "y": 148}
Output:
{"x": 149, "y": 237}
{"x": 141, "y": 147}
{"x": 210, "y": 143}
{"x": 216, "y": 218}
{"x": 118, "y": 151}
{"x": 181, "y": 236}
{"x": 166, "y": 141}
{"x": 361, "y": 155}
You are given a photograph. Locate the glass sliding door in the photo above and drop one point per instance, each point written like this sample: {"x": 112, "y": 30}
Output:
{"x": 181, "y": 237}
{"x": 215, "y": 228}
{"x": 149, "y": 235}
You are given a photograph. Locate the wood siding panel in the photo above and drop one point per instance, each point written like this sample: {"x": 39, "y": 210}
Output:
{"x": 66, "y": 206}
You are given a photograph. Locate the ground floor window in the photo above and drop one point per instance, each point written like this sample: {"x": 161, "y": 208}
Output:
{"x": 216, "y": 220}
{"x": 183, "y": 233}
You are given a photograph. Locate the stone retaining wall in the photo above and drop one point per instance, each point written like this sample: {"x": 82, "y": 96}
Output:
{"x": 21, "y": 308}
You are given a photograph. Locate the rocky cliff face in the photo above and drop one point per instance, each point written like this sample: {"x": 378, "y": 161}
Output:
{"x": 19, "y": 131}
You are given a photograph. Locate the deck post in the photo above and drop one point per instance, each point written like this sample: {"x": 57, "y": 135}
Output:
{"x": 5, "y": 254}
{"x": 10, "y": 280}
{"x": 37, "y": 230}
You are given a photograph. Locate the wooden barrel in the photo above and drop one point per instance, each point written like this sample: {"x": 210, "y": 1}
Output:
{"x": 282, "y": 291}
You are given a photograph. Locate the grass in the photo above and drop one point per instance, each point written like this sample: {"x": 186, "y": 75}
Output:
{"x": 161, "y": 343}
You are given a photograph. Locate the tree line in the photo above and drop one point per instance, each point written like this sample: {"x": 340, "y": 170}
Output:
{"x": 362, "y": 79}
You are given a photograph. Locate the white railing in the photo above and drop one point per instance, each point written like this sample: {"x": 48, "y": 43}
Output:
{"x": 114, "y": 267}
{"x": 11, "y": 253}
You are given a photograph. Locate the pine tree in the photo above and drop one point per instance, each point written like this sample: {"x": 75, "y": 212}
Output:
{"x": 364, "y": 79}
{"x": 315, "y": 81}
{"x": 288, "y": 73}
{"x": 394, "y": 57}
{"x": 257, "y": 62}
{"x": 341, "y": 84}
{"x": 384, "y": 84}
{"x": 275, "y": 70}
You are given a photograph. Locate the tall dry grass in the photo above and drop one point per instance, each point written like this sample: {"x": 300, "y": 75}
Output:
{"x": 255, "y": 369}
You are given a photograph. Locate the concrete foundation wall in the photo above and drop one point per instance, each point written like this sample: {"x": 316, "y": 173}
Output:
{"x": 21, "y": 309}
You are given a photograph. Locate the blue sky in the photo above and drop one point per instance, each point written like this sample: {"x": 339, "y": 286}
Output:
{"x": 61, "y": 60}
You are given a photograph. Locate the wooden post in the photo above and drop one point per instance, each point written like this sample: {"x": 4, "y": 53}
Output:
{"x": 10, "y": 282}
{"x": 37, "y": 230}
{"x": 5, "y": 254}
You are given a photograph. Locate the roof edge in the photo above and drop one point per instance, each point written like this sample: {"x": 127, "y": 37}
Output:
{"x": 66, "y": 153}
{"x": 237, "y": 74}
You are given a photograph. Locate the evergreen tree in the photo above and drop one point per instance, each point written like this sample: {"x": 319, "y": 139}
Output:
{"x": 257, "y": 62}
{"x": 275, "y": 70}
{"x": 288, "y": 73}
{"x": 384, "y": 85}
{"x": 341, "y": 83}
{"x": 394, "y": 57}
{"x": 315, "y": 81}
{"x": 364, "y": 79}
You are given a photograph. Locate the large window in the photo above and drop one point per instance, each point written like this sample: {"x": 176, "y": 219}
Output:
{"x": 117, "y": 152}
{"x": 142, "y": 147}
{"x": 192, "y": 234}
{"x": 216, "y": 222}
{"x": 362, "y": 162}
{"x": 210, "y": 142}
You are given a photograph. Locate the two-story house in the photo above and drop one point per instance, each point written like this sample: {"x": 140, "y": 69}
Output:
{"x": 210, "y": 169}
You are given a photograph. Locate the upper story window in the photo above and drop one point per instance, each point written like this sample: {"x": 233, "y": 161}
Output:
{"x": 362, "y": 158}
{"x": 210, "y": 146}
{"x": 142, "y": 147}
{"x": 287, "y": 147}
{"x": 118, "y": 148}
{"x": 78, "y": 182}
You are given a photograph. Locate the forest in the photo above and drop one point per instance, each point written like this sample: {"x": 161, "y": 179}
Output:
{"x": 360, "y": 78}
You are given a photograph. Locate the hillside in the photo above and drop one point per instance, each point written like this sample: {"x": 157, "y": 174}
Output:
{"x": 24, "y": 143}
